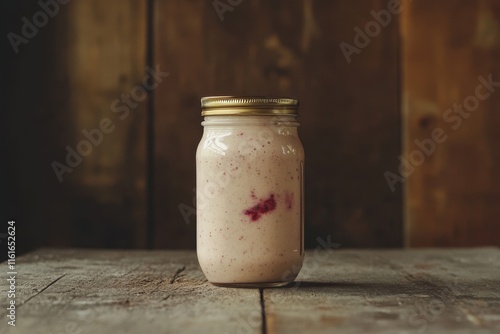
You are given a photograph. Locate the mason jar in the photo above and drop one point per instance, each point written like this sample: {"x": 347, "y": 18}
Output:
{"x": 250, "y": 191}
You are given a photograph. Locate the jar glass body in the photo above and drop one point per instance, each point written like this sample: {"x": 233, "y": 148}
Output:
{"x": 249, "y": 182}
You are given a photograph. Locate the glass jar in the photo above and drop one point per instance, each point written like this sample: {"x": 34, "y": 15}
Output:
{"x": 250, "y": 191}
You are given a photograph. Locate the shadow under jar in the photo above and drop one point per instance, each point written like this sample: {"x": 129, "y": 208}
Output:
{"x": 250, "y": 185}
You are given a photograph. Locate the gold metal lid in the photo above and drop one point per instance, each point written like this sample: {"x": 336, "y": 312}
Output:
{"x": 248, "y": 105}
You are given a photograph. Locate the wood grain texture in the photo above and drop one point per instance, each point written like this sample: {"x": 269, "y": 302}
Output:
{"x": 64, "y": 81}
{"x": 350, "y": 113}
{"x": 31, "y": 130}
{"x": 341, "y": 291}
{"x": 417, "y": 291}
{"x": 453, "y": 197}
{"x": 127, "y": 292}
{"x": 108, "y": 60}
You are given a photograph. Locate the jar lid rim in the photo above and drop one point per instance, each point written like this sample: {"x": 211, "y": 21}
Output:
{"x": 250, "y": 105}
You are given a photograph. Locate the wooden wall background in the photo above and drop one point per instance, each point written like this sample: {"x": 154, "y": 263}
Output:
{"x": 285, "y": 48}
{"x": 355, "y": 117}
{"x": 453, "y": 198}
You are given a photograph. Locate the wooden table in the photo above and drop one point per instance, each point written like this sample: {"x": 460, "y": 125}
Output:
{"x": 341, "y": 291}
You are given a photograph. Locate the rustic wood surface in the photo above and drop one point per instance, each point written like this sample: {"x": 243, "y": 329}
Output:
{"x": 341, "y": 291}
{"x": 453, "y": 197}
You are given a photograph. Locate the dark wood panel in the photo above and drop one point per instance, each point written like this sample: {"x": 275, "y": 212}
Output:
{"x": 65, "y": 80}
{"x": 108, "y": 60}
{"x": 350, "y": 114}
{"x": 453, "y": 197}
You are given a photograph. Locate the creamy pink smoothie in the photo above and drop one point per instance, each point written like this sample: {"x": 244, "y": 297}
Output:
{"x": 249, "y": 203}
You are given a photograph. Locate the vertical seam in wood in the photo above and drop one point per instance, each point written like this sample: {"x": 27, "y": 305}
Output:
{"x": 263, "y": 311}
{"x": 402, "y": 130}
{"x": 150, "y": 135}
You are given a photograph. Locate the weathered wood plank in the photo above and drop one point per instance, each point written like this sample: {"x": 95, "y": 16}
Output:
{"x": 453, "y": 188}
{"x": 442, "y": 291}
{"x": 409, "y": 291}
{"x": 65, "y": 81}
{"x": 125, "y": 292}
{"x": 107, "y": 57}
